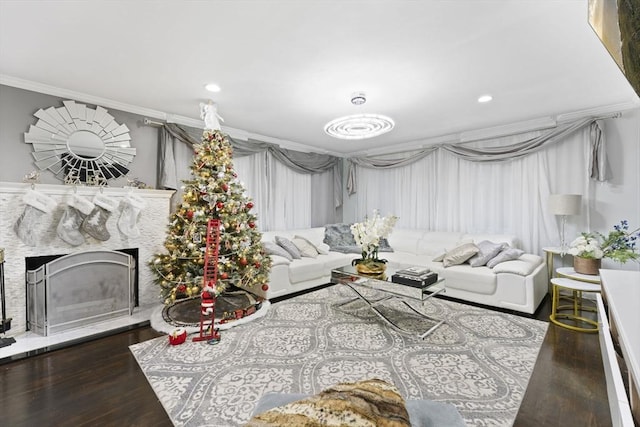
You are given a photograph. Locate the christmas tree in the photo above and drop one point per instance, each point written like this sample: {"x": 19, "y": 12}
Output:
{"x": 214, "y": 192}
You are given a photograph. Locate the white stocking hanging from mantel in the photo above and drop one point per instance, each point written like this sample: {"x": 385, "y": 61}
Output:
{"x": 128, "y": 221}
{"x": 37, "y": 204}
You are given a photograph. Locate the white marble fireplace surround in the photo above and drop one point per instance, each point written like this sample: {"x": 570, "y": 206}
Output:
{"x": 152, "y": 222}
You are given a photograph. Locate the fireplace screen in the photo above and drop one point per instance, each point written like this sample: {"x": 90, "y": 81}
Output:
{"x": 79, "y": 289}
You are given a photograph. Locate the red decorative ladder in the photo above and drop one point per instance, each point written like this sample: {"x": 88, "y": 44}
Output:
{"x": 209, "y": 280}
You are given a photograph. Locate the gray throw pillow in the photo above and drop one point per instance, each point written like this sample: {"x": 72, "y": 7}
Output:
{"x": 271, "y": 248}
{"x": 505, "y": 255}
{"x": 459, "y": 254}
{"x": 288, "y": 246}
{"x": 486, "y": 251}
{"x": 305, "y": 247}
{"x": 384, "y": 245}
{"x": 339, "y": 236}
{"x": 340, "y": 239}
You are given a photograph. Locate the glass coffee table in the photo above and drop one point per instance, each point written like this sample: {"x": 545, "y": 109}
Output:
{"x": 357, "y": 282}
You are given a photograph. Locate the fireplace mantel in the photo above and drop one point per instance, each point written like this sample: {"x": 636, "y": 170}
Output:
{"x": 152, "y": 222}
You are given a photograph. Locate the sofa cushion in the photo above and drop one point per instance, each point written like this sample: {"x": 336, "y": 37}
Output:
{"x": 459, "y": 254}
{"x": 436, "y": 242}
{"x": 486, "y": 251}
{"x": 505, "y": 255}
{"x": 272, "y": 248}
{"x": 288, "y": 246}
{"x": 304, "y": 269}
{"x": 480, "y": 280}
{"x": 497, "y": 238}
{"x": 305, "y": 247}
{"x": 405, "y": 239}
{"x": 279, "y": 260}
{"x": 523, "y": 266}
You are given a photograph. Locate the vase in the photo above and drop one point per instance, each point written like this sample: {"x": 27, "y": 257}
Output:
{"x": 588, "y": 266}
{"x": 371, "y": 268}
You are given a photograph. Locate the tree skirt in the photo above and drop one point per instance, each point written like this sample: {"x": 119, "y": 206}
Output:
{"x": 231, "y": 309}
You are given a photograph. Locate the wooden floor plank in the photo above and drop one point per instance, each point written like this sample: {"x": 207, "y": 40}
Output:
{"x": 99, "y": 383}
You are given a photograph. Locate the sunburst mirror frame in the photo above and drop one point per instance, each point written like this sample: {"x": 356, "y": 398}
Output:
{"x": 80, "y": 145}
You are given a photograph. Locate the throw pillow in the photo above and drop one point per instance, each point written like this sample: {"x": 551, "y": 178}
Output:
{"x": 506, "y": 255}
{"x": 321, "y": 248}
{"x": 271, "y": 248}
{"x": 306, "y": 249}
{"x": 340, "y": 239}
{"x": 459, "y": 254}
{"x": 384, "y": 245}
{"x": 288, "y": 246}
{"x": 374, "y": 402}
{"x": 486, "y": 251}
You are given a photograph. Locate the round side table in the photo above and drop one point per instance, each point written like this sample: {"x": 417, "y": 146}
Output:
{"x": 570, "y": 273}
{"x": 573, "y": 312}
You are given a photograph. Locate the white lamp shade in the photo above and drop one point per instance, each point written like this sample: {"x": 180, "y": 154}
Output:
{"x": 565, "y": 204}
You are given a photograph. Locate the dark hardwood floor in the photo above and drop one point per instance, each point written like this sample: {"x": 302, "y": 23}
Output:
{"x": 98, "y": 383}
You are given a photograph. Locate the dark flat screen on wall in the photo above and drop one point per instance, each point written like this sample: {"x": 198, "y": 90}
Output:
{"x": 617, "y": 24}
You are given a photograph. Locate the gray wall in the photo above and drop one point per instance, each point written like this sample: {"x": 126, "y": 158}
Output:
{"x": 17, "y": 107}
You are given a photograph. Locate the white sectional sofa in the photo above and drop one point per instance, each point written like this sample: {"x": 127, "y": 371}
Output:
{"x": 518, "y": 285}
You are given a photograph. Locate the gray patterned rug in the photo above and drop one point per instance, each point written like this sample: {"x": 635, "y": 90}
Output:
{"x": 480, "y": 360}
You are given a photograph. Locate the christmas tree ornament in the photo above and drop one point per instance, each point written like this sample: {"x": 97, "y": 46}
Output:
{"x": 37, "y": 204}
{"x": 76, "y": 210}
{"x": 95, "y": 224}
{"x": 128, "y": 221}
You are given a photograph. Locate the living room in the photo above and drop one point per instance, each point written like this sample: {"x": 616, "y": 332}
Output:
{"x": 575, "y": 79}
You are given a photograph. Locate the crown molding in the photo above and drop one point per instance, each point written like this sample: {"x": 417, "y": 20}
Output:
{"x": 598, "y": 112}
{"x": 149, "y": 113}
{"x": 510, "y": 129}
{"x": 78, "y": 96}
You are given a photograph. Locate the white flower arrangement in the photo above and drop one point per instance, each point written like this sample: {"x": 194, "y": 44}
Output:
{"x": 586, "y": 246}
{"x": 368, "y": 233}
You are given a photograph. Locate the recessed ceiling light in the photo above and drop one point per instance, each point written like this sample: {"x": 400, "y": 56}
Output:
{"x": 359, "y": 126}
{"x": 358, "y": 98}
{"x": 485, "y": 98}
{"x": 212, "y": 87}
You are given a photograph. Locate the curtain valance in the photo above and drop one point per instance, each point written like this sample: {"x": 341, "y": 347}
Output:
{"x": 307, "y": 163}
{"x": 497, "y": 153}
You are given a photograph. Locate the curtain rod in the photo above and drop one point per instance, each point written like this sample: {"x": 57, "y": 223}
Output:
{"x": 149, "y": 122}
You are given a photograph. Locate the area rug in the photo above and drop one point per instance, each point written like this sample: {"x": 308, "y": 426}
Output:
{"x": 480, "y": 360}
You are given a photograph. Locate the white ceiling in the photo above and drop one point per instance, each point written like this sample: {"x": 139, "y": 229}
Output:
{"x": 288, "y": 67}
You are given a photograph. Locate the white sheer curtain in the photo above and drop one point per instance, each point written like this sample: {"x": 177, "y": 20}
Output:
{"x": 252, "y": 172}
{"x": 282, "y": 197}
{"x": 443, "y": 192}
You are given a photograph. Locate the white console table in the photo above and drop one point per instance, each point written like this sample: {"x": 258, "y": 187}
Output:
{"x": 621, "y": 291}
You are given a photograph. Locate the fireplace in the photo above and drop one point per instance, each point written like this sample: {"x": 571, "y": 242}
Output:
{"x": 69, "y": 291}
{"x": 152, "y": 223}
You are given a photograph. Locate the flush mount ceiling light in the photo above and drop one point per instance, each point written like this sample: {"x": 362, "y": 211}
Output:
{"x": 212, "y": 87}
{"x": 485, "y": 98}
{"x": 359, "y": 126}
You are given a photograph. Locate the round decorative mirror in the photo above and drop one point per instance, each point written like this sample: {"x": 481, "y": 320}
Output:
{"x": 79, "y": 144}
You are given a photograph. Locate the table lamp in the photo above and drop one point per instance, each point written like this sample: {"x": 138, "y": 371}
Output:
{"x": 563, "y": 205}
